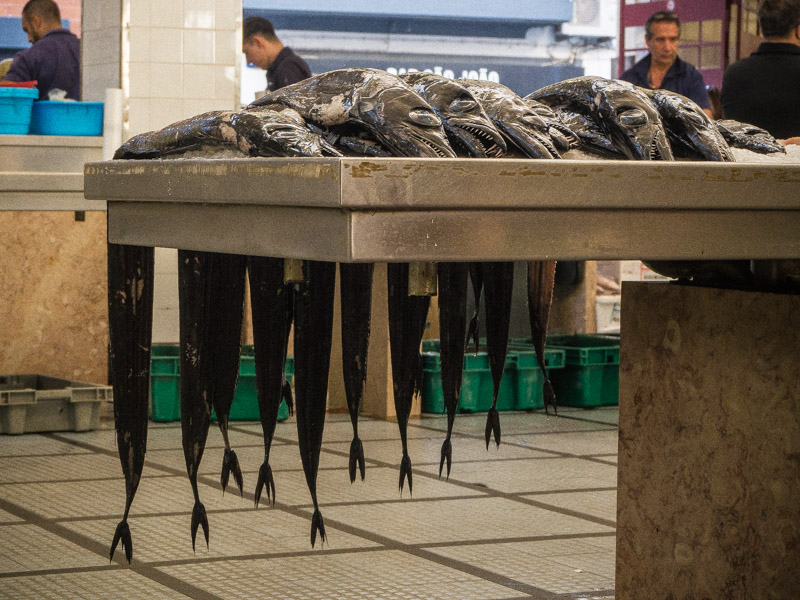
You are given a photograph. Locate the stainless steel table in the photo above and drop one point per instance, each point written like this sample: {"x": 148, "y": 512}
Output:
{"x": 400, "y": 209}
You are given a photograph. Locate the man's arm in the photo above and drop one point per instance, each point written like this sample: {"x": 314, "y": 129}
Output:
{"x": 20, "y": 70}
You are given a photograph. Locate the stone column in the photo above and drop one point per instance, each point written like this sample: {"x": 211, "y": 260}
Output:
{"x": 708, "y": 502}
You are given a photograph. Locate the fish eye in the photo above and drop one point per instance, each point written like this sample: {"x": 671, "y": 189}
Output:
{"x": 463, "y": 105}
{"x": 422, "y": 116}
{"x": 633, "y": 116}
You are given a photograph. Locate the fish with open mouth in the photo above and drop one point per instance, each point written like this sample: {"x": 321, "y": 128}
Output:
{"x": 130, "y": 312}
{"x": 620, "y": 109}
{"x": 372, "y": 99}
{"x": 524, "y": 130}
{"x": 749, "y": 137}
{"x": 690, "y": 131}
{"x": 468, "y": 127}
{"x": 262, "y": 131}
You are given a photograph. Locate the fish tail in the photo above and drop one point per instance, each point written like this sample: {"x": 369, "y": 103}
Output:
{"x": 286, "y": 394}
{"x": 356, "y": 459}
{"x": 199, "y": 518}
{"x": 493, "y": 426}
{"x": 447, "y": 452}
{"x": 405, "y": 471}
{"x": 317, "y": 524}
{"x": 123, "y": 534}
{"x": 549, "y": 395}
{"x": 265, "y": 481}
{"x": 232, "y": 461}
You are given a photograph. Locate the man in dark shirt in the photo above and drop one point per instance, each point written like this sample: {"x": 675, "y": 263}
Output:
{"x": 662, "y": 68}
{"x": 764, "y": 88}
{"x": 54, "y": 60}
{"x": 262, "y": 48}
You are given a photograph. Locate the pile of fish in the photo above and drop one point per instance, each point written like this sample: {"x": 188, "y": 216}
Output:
{"x": 364, "y": 112}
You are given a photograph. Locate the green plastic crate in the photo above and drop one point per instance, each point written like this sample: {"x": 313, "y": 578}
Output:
{"x": 477, "y": 387}
{"x": 165, "y": 386}
{"x": 529, "y": 380}
{"x": 591, "y": 374}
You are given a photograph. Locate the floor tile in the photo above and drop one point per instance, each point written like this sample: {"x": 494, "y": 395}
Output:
{"x": 426, "y": 522}
{"x": 527, "y": 476}
{"x": 366, "y": 575}
{"x": 600, "y": 504}
{"x": 59, "y": 467}
{"x": 95, "y": 585}
{"x": 582, "y": 443}
{"x": 33, "y": 444}
{"x": 31, "y": 548}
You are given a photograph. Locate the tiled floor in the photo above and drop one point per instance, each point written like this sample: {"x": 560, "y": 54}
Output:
{"x": 533, "y": 519}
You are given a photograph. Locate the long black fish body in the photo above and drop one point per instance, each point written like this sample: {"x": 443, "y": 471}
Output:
{"x": 748, "y": 137}
{"x": 452, "y": 326}
{"x": 381, "y": 103}
{"x": 313, "y": 328}
{"x": 262, "y": 131}
{"x": 130, "y": 313}
{"x": 524, "y": 130}
{"x": 620, "y": 109}
{"x": 468, "y": 127}
{"x": 225, "y": 283}
{"x": 407, "y": 315}
{"x": 541, "y": 280}
{"x": 269, "y": 299}
{"x": 691, "y": 133}
{"x": 498, "y": 281}
{"x": 355, "y": 283}
{"x": 196, "y": 287}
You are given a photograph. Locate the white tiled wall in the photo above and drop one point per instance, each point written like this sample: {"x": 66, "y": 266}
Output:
{"x": 173, "y": 59}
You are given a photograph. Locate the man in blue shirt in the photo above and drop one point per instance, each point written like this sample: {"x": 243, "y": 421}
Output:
{"x": 662, "y": 68}
{"x": 54, "y": 60}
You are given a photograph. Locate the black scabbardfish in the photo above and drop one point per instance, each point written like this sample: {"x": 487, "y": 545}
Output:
{"x": 690, "y": 131}
{"x": 194, "y": 291}
{"x": 313, "y": 325}
{"x": 498, "y": 281}
{"x": 541, "y": 280}
{"x": 619, "y": 108}
{"x": 407, "y": 315}
{"x": 263, "y": 131}
{"x": 452, "y": 325}
{"x": 468, "y": 127}
{"x": 225, "y": 275}
{"x": 130, "y": 324}
{"x": 522, "y": 128}
{"x": 382, "y": 103}
{"x": 269, "y": 298}
{"x": 748, "y": 137}
{"x": 355, "y": 284}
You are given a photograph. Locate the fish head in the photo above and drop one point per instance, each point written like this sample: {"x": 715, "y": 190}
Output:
{"x": 275, "y": 130}
{"x": 562, "y": 136}
{"x": 520, "y": 125}
{"x": 631, "y": 120}
{"x": 400, "y": 119}
{"x": 466, "y": 124}
{"x": 749, "y": 137}
{"x": 688, "y": 126}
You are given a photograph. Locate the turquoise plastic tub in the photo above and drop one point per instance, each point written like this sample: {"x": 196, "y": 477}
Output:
{"x": 16, "y": 104}
{"x": 67, "y": 118}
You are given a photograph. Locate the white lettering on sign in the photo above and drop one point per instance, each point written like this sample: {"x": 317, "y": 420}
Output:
{"x": 481, "y": 73}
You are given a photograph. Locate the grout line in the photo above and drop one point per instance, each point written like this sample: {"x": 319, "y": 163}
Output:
{"x": 605, "y": 594}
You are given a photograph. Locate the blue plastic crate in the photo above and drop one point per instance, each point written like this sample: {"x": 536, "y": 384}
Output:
{"x": 67, "y": 118}
{"x": 16, "y": 104}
